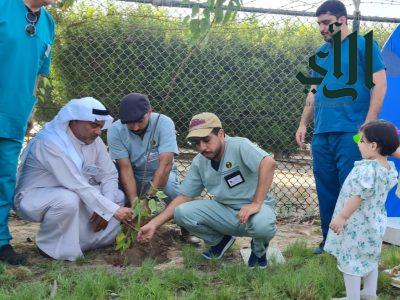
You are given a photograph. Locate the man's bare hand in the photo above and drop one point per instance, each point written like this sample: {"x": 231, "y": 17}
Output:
{"x": 98, "y": 223}
{"x": 124, "y": 215}
{"x": 146, "y": 233}
{"x": 247, "y": 210}
{"x": 301, "y": 136}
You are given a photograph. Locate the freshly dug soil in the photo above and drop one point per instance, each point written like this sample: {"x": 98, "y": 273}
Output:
{"x": 166, "y": 238}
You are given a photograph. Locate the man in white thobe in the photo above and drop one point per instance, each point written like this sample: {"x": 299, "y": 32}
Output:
{"x": 69, "y": 184}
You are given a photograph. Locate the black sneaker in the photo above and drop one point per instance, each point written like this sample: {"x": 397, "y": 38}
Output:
{"x": 254, "y": 260}
{"x": 188, "y": 238}
{"x": 320, "y": 248}
{"x": 8, "y": 255}
{"x": 219, "y": 250}
{"x": 260, "y": 262}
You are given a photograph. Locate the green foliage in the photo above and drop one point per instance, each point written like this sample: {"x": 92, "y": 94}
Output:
{"x": 141, "y": 212}
{"x": 390, "y": 257}
{"x": 244, "y": 72}
{"x": 202, "y": 20}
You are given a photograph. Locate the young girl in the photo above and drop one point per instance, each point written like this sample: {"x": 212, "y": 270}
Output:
{"x": 359, "y": 220}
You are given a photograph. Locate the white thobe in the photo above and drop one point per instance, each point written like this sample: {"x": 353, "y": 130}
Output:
{"x": 52, "y": 190}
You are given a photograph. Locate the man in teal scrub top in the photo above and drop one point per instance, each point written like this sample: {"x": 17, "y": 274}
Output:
{"x": 336, "y": 120}
{"x": 26, "y": 38}
{"x": 239, "y": 174}
{"x": 143, "y": 143}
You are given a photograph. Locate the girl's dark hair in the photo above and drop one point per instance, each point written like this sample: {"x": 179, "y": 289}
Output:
{"x": 384, "y": 134}
{"x": 332, "y": 7}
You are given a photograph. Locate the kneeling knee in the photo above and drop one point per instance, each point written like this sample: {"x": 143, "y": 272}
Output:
{"x": 263, "y": 231}
{"x": 69, "y": 203}
{"x": 181, "y": 215}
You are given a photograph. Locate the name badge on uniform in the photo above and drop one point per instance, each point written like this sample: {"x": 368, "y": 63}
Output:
{"x": 48, "y": 50}
{"x": 234, "y": 179}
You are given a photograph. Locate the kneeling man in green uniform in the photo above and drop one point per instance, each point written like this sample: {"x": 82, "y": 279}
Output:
{"x": 239, "y": 175}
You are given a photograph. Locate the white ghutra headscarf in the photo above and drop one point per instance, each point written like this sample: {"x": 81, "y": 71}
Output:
{"x": 84, "y": 109}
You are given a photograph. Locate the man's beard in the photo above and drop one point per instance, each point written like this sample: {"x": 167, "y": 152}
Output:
{"x": 215, "y": 154}
{"x": 140, "y": 132}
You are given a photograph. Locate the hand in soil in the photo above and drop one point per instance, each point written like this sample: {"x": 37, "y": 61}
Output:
{"x": 98, "y": 223}
{"x": 146, "y": 233}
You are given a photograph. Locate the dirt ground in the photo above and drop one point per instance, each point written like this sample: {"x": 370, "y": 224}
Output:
{"x": 165, "y": 248}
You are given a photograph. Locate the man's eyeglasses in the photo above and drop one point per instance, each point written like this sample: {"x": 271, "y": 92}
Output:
{"x": 32, "y": 18}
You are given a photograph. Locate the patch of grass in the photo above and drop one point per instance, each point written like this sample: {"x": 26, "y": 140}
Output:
{"x": 88, "y": 284}
{"x": 303, "y": 276}
{"x": 191, "y": 257}
{"x": 183, "y": 279}
{"x": 390, "y": 256}
{"x": 298, "y": 249}
{"x": 85, "y": 260}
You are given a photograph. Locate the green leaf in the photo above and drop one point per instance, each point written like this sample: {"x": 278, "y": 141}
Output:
{"x": 219, "y": 14}
{"x": 145, "y": 214}
{"x": 128, "y": 244}
{"x": 194, "y": 26}
{"x": 120, "y": 238}
{"x": 229, "y": 12}
{"x": 152, "y": 205}
{"x": 220, "y": 3}
{"x": 138, "y": 207}
{"x": 134, "y": 235}
{"x": 42, "y": 91}
{"x": 204, "y": 26}
{"x": 207, "y": 13}
{"x": 46, "y": 82}
{"x": 186, "y": 20}
{"x": 161, "y": 195}
{"x": 195, "y": 10}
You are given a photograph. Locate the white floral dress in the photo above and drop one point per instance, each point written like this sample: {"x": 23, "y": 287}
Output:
{"x": 357, "y": 247}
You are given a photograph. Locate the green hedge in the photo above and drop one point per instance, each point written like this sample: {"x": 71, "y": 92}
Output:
{"x": 245, "y": 73}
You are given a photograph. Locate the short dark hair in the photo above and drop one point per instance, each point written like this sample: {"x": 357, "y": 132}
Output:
{"x": 333, "y": 7}
{"x": 216, "y": 130}
{"x": 384, "y": 134}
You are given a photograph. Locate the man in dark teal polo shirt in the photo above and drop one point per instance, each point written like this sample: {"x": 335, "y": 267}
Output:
{"x": 336, "y": 120}
{"x": 26, "y": 38}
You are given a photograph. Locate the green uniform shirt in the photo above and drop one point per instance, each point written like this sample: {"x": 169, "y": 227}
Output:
{"x": 236, "y": 180}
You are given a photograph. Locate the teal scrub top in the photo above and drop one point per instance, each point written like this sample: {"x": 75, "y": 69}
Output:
{"x": 236, "y": 180}
{"x": 125, "y": 144}
{"x": 343, "y": 114}
{"x": 22, "y": 59}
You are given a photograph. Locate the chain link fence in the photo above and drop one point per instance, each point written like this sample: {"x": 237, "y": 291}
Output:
{"x": 244, "y": 72}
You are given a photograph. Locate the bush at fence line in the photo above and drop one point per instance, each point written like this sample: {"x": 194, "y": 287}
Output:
{"x": 245, "y": 73}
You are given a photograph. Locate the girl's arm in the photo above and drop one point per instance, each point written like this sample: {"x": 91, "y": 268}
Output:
{"x": 348, "y": 209}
